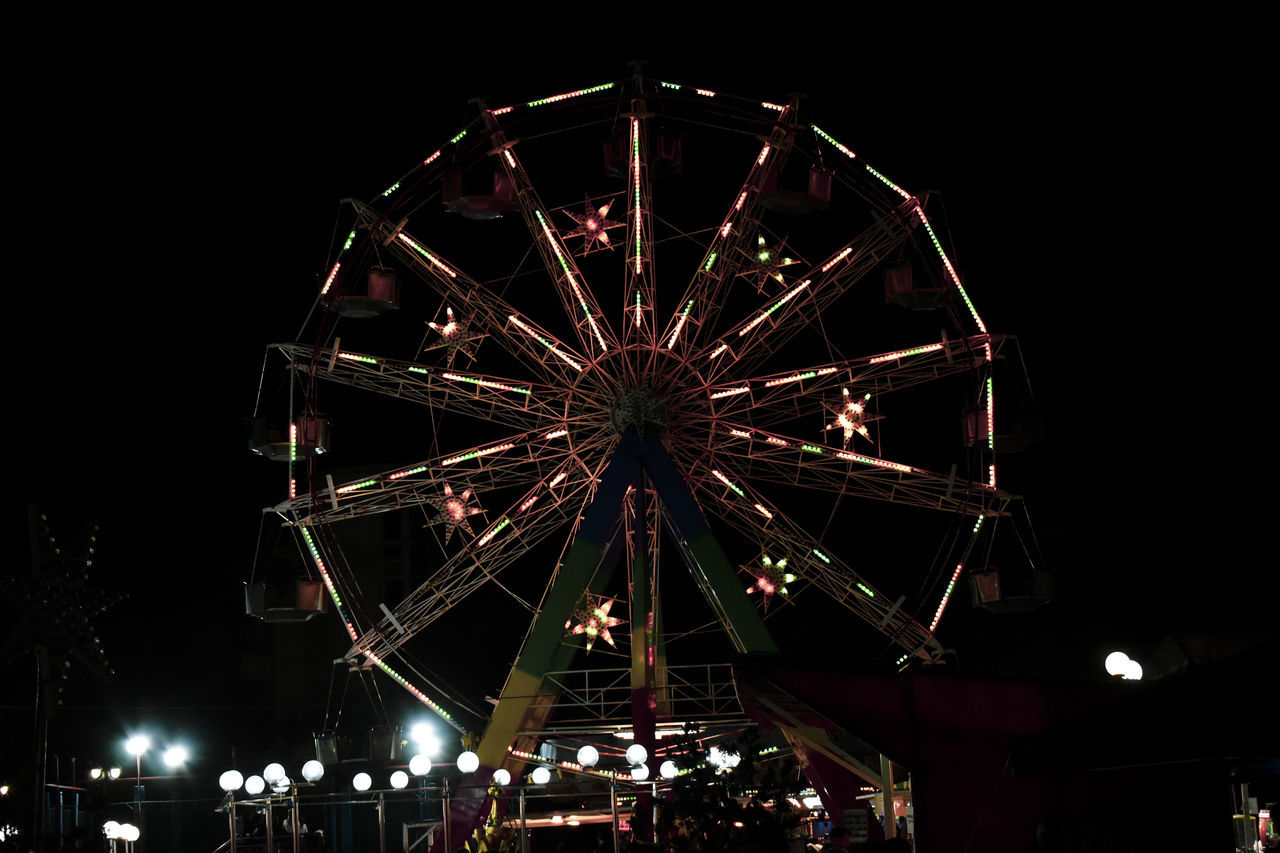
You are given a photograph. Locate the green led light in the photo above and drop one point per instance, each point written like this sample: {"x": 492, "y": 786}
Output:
{"x": 350, "y": 239}
{"x": 886, "y": 181}
{"x": 869, "y": 593}
{"x": 821, "y": 556}
{"x": 361, "y": 358}
{"x": 811, "y": 449}
{"x": 671, "y": 85}
{"x": 711, "y": 260}
{"x": 487, "y": 384}
{"x": 419, "y": 370}
{"x": 590, "y": 91}
{"x": 389, "y": 190}
{"x": 461, "y": 134}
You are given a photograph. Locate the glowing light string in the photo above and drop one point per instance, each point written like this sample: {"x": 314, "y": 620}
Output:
{"x": 475, "y": 454}
{"x": 573, "y": 283}
{"x": 635, "y": 172}
{"x": 552, "y": 348}
{"x": 564, "y": 97}
{"x": 432, "y": 259}
{"x": 892, "y": 356}
{"x": 484, "y": 383}
{"x": 328, "y": 582}
{"x": 498, "y": 528}
{"x": 403, "y": 682}
{"x": 684, "y": 315}
{"x": 946, "y": 596}
{"x": 764, "y": 315}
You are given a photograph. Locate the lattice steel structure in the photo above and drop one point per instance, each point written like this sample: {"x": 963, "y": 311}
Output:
{"x": 763, "y": 389}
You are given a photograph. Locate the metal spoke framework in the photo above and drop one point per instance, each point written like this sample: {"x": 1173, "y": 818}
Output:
{"x": 748, "y": 369}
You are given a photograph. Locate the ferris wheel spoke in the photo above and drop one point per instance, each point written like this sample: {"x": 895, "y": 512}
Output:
{"x": 794, "y": 392}
{"x": 556, "y": 499}
{"x": 575, "y": 294}
{"x": 639, "y": 326}
{"x": 786, "y": 460}
{"x": 487, "y": 398}
{"x": 724, "y": 258}
{"x": 791, "y": 461}
{"x": 515, "y": 461}
{"x": 727, "y": 494}
{"x": 760, "y": 335}
{"x": 551, "y": 360}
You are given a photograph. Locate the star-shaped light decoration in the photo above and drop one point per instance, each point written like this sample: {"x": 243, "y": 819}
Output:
{"x": 850, "y": 416}
{"x": 767, "y": 263}
{"x": 454, "y": 511}
{"x": 593, "y": 619}
{"x": 770, "y": 578}
{"x": 594, "y": 226}
{"x": 455, "y": 337}
{"x": 55, "y": 609}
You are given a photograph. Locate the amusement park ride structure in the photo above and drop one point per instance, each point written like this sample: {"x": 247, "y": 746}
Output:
{"x": 732, "y": 416}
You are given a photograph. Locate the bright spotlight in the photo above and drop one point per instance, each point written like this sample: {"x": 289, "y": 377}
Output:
{"x": 114, "y": 772}
{"x": 1132, "y": 671}
{"x": 95, "y": 774}
{"x": 425, "y": 737}
{"x": 176, "y": 756}
{"x": 137, "y": 744}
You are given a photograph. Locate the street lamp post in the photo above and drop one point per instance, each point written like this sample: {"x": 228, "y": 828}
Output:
{"x": 135, "y": 746}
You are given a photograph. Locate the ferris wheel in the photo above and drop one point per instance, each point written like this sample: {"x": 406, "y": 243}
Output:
{"x": 693, "y": 324}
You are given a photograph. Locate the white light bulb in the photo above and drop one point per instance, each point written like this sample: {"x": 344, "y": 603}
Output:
{"x": 419, "y": 765}
{"x": 254, "y": 785}
{"x": 1115, "y": 663}
{"x": 1132, "y": 670}
{"x": 540, "y": 776}
{"x": 313, "y": 771}
{"x": 231, "y": 781}
{"x": 502, "y": 777}
{"x": 640, "y": 772}
{"x": 637, "y": 754}
{"x": 362, "y": 781}
{"x": 468, "y": 762}
{"x": 588, "y": 756}
{"x": 399, "y": 779}
{"x": 273, "y": 772}
{"x": 669, "y": 769}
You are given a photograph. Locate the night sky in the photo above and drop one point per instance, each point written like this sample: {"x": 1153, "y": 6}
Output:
{"x": 172, "y": 223}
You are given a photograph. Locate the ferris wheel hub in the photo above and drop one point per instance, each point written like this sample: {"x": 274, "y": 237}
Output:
{"x": 638, "y": 408}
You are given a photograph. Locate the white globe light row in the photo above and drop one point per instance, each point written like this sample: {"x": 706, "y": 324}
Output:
{"x": 420, "y": 765}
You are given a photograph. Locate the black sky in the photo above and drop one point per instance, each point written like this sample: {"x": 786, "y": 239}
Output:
{"x": 175, "y": 216}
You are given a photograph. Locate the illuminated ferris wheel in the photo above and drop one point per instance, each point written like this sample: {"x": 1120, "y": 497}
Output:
{"x": 695, "y": 324}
